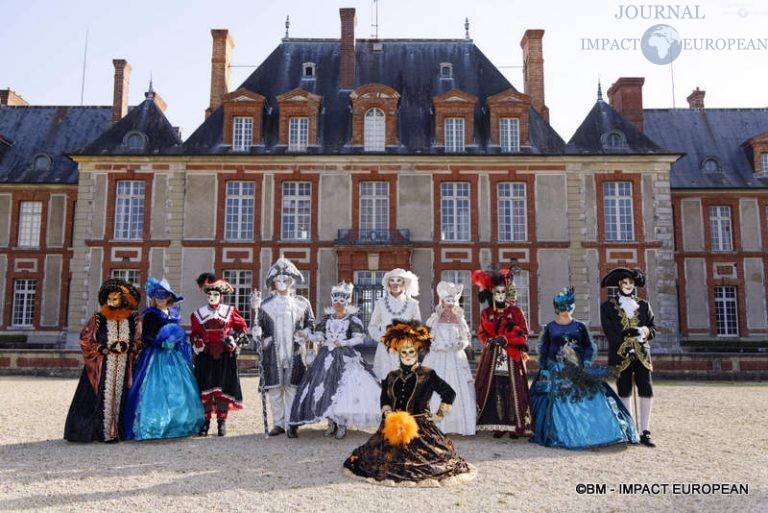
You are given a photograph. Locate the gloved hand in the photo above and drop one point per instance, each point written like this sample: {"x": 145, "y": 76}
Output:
{"x": 631, "y": 332}
{"x": 103, "y": 349}
{"x": 500, "y": 341}
{"x": 198, "y": 345}
{"x": 118, "y": 347}
{"x": 385, "y": 410}
{"x": 229, "y": 343}
{"x": 630, "y": 354}
{"x": 441, "y": 412}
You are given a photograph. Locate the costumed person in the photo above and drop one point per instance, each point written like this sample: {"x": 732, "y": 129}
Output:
{"x": 501, "y": 379}
{"x": 284, "y": 324}
{"x": 408, "y": 447}
{"x": 450, "y": 336}
{"x": 339, "y": 385}
{"x": 109, "y": 342}
{"x": 573, "y": 407}
{"x": 164, "y": 400}
{"x": 400, "y": 287}
{"x": 628, "y": 325}
{"x": 218, "y": 333}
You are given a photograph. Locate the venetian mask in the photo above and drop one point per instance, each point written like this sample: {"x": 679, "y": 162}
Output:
{"x": 500, "y": 294}
{"x": 214, "y": 297}
{"x": 627, "y": 286}
{"x": 114, "y": 299}
{"x": 282, "y": 282}
{"x": 409, "y": 355}
{"x": 339, "y": 299}
{"x": 396, "y": 285}
{"x": 449, "y": 301}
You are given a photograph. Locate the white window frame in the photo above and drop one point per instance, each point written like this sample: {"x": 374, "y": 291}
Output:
{"x": 132, "y": 276}
{"x": 296, "y": 212}
{"x": 303, "y": 288}
{"x": 374, "y": 207}
{"x": 239, "y": 210}
{"x": 509, "y": 135}
{"x": 721, "y": 228}
{"x": 30, "y": 222}
{"x": 23, "y": 310}
{"x": 129, "y": 209}
{"x": 454, "y": 135}
{"x": 374, "y": 130}
{"x": 242, "y": 282}
{"x": 523, "y": 291}
{"x": 242, "y": 133}
{"x": 618, "y": 211}
{"x": 455, "y": 222}
{"x": 465, "y": 278}
{"x": 298, "y": 133}
{"x": 511, "y": 211}
{"x": 726, "y": 311}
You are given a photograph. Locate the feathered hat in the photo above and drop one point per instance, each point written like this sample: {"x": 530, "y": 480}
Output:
{"x": 342, "y": 290}
{"x": 614, "y": 276}
{"x": 565, "y": 300}
{"x": 161, "y": 290}
{"x": 411, "y": 281}
{"x": 447, "y": 289}
{"x": 209, "y": 282}
{"x": 487, "y": 280}
{"x": 283, "y": 267}
{"x": 403, "y": 333}
{"x": 130, "y": 294}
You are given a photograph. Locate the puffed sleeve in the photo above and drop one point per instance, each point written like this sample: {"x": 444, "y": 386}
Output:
{"x": 443, "y": 389}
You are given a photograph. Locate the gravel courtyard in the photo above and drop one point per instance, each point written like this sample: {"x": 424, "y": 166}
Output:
{"x": 707, "y": 433}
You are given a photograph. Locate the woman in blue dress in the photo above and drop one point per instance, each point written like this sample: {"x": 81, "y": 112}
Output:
{"x": 164, "y": 400}
{"x": 573, "y": 408}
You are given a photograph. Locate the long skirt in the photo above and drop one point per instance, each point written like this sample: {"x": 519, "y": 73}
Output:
{"x": 453, "y": 367}
{"x": 503, "y": 400}
{"x": 218, "y": 379}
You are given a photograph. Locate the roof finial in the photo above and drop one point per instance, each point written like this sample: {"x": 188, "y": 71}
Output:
{"x": 599, "y": 90}
{"x": 151, "y": 91}
{"x": 466, "y": 28}
{"x": 287, "y": 25}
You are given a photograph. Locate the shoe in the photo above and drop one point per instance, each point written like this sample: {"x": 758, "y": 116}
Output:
{"x": 276, "y": 431}
{"x": 204, "y": 429}
{"x": 341, "y": 433}
{"x": 222, "y": 424}
{"x": 293, "y": 431}
{"x": 645, "y": 439}
{"x": 332, "y": 426}
{"x": 498, "y": 434}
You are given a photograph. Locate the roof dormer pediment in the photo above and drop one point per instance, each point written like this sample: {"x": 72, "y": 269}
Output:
{"x": 242, "y": 95}
{"x": 455, "y": 96}
{"x": 299, "y": 95}
{"x": 509, "y": 97}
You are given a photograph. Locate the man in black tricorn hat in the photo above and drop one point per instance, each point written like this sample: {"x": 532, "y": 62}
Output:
{"x": 628, "y": 325}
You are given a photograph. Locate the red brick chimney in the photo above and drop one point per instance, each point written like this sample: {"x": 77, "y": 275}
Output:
{"x": 120, "y": 97}
{"x": 9, "y": 97}
{"x": 696, "y": 99}
{"x": 533, "y": 69}
{"x": 220, "y": 71}
{"x": 626, "y": 96}
{"x": 347, "y": 71}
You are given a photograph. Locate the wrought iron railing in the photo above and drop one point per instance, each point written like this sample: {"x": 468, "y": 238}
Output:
{"x": 360, "y": 237}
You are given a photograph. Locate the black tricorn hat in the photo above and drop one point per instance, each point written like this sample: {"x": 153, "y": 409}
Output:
{"x": 614, "y": 276}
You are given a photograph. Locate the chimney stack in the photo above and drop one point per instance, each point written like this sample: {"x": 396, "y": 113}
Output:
{"x": 626, "y": 96}
{"x": 696, "y": 99}
{"x": 533, "y": 69}
{"x": 347, "y": 71}
{"x": 9, "y": 97}
{"x": 120, "y": 97}
{"x": 220, "y": 72}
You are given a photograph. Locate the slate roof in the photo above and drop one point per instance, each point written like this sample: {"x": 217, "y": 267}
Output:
{"x": 603, "y": 119}
{"x": 703, "y": 133}
{"x": 146, "y": 118}
{"x": 411, "y": 67}
{"x": 56, "y": 131}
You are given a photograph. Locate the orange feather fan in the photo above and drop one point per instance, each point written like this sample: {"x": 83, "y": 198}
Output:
{"x": 400, "y": 428}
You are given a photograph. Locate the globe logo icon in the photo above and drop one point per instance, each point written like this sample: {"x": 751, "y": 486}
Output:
{"x": 661, "y": 44}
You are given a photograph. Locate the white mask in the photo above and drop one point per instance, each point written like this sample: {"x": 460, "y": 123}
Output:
{"x": 396, "y": 286}
{"x": 627, "y": 286}
{"x": 282, "y": 283}
{"x": 214, "y": 297}
{"x": 500, "y": 294}
{"x": 409, "y": 355}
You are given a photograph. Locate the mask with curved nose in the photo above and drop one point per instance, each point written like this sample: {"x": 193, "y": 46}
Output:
{"x": 627, "y": 286}
{"x": 409, "y": 355}
{"x": 500, "y": 294}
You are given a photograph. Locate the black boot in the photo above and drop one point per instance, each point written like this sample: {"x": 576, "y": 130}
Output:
{"x": 222, "y": 424}
{"x": 645, "y": 439}
{"x": 293, "y": 432}
{"x": 276, "y": 431}
{"x": 204, "y": 429}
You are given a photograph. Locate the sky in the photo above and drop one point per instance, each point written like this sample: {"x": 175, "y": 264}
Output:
{"x": 585, "y": 41}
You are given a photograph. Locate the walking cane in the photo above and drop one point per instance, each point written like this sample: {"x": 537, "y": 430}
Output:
{"x": 257, "y": 339}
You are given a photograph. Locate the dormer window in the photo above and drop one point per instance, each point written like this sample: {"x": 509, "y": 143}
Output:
{"x": 446, "y": 70}
{"x": 42, "y": 162}
{"x": 614, "y": 140}
{"x": 134, "y": 141}
{"x": 374, "y": 131}
{"x": 242, "y": 133}
{"x": 374, "y": 116}
{"x": 711, "y": 165}
{"x": 309, "y": 70}
{"x": 764, "y": 163}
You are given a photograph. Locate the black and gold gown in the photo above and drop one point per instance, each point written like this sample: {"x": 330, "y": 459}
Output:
{"x": 431, "y": 457}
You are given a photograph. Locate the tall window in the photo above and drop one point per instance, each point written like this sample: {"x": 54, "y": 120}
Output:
{"x": 454, "y": 134}
{"x": 764, "y": 163}
{"x": 129, "y": 210}
{"x": 30, "y": 213}
{"x": 522, "y": 288}
{"x": 374, "y": 208}
{"x": 374, "y": 130}
{"x": 726, "y": 311}
{"x": 239, "y": 210}
{"x": 242, "y": 282}
{"x": 617, "y": 203}
{"x": 720, "y": 228}
{"x": 303, "y": 287}
{"x": 296, "y": 210}
{"x": 454, "y": 211}
{"x": 462, "y": 277}
{"x": 509, "y": 134}
{"x": 23, "y": 303}
{"x": 132, "y": 276}
{"x": 242, "y": 133}
{"x": 298, "y": 134}
{"x": 368, "y": 289}
{"x": 511, "y": 211}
